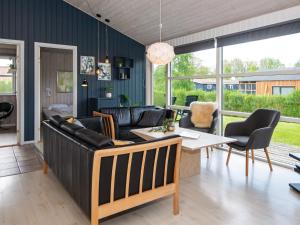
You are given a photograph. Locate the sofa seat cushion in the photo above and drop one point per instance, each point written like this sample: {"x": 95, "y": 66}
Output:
{"x": 70, "y": 128}
{"x": 126, "y": 134}
{"x": 151, "y": 118}
{"x": 93, "y": 138}
{"x": 137, "y": 112}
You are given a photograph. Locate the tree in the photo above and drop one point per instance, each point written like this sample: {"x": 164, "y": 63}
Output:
{"x": 270, "y": 64}
{"x": 234, "y": 66}
{"x": 297, "y": 64}
{"x": 183, "y": 65}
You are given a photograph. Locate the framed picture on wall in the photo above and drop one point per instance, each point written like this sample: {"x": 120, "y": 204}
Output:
{"x": 105, "y": 71}
{"x": 64, "y": 82}
{"x": 87, "y": 65}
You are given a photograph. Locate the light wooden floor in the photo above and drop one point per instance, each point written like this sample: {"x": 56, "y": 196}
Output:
{"x": 8, "y": 137}
{"x": 219, "y": 195}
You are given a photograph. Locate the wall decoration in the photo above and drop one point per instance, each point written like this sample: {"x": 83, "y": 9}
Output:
{"x": 105, "y": 71}
{"x": 64, "y": 82}
{"x": 87, "y": 65}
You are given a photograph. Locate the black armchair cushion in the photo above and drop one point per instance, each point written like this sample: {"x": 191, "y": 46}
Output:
{"x": 57, "y": 120}
{"x": 93, "y": 138}
{"x": 241, "y": 140}
{"x": 151, "y": 118}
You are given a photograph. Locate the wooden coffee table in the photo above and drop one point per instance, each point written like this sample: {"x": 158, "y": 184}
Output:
{"x": 190, "y": 156}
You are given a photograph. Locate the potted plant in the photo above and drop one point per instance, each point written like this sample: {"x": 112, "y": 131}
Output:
{"x": 108, "y": 91}
{"x": 169, "y": 124}
{"x": 124, "y": 100}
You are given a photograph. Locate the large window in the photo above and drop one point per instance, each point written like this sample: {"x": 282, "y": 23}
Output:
{"x": 247, "y": 75}
{"x": 159, "y": 85}
{"x": 7, "y": 76}
{"x": 273, "y": 54}
{"x": 194, "y": 63}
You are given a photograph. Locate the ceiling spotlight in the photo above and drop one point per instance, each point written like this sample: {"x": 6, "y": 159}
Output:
{"x": 98, "y": 15}
{"x": 107, "y": 20}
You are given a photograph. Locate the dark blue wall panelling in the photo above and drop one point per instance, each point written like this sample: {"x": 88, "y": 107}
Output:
{"x": 54, "y": 21}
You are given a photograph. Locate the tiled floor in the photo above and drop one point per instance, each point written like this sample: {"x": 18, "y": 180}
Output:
{"x": 19, "y": 159}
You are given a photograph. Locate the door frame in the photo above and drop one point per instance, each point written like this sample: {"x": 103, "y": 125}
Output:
{"x": 19, "y": 86}
{"x": 37, "y": 82}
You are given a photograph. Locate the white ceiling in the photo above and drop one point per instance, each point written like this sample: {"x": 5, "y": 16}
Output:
{"x": 139, "y": 19}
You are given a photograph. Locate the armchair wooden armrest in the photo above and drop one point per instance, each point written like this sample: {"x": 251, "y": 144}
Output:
{"x": 108, "y": 124}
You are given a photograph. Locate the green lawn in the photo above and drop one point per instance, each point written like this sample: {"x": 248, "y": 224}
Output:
{"x": 287, "y": 133}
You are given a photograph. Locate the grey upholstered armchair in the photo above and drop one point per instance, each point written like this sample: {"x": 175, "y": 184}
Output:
{"x": 253, "y": 133}
{"x": 186, "y": 122}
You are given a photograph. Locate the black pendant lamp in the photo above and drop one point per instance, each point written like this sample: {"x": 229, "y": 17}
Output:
{"x": 106, "y": 42}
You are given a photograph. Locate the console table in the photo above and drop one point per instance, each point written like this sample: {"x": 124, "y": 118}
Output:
{"x": 295, "y": 186}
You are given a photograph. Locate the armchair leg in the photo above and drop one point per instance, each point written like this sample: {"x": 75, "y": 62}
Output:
{"x": 228, "y": 156}
{"x": 268, "y": 159}
{"x": 207, "y": 152}
{"x": 252, "y": 155}
{"x": 211, "y": 148}
{"x": 247, "y": 162}
{"x": 45, "y": 167}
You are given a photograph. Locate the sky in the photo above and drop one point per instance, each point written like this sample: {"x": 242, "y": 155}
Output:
{"x": 285, "y": 48}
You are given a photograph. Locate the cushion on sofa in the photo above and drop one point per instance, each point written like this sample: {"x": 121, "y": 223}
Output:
{"x": 93, "y": 138}
{"x": 151, "y": 118}
{"x": 71, "y": 128}
{"x": 121, "y": 115}
{"x": 93, "y": 123}
{"x": 57, "y": 120}
{"x": 137, "y": 112}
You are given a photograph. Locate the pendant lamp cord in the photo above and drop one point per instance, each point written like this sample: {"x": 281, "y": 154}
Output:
{"x": 98, "y": 43}
{"x": 160, "y": 24}
{"x": 106, "y": 37}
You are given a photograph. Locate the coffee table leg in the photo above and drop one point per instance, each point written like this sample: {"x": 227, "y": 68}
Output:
{"x": 190, "y": 163}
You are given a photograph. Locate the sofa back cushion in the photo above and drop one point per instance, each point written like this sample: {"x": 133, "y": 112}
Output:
{"x": 137, "y": 112}
{"x": 70, "y": 128}
{"x": 121, "y": 115}
{"x": 93, "y": 123}
{"x": 151, "y": 118}
{"x": 93, "y": 138}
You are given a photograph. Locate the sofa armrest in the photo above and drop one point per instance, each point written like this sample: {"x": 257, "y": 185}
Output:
{"x": 163, "y": 180}
{"x": 109, "y": 126}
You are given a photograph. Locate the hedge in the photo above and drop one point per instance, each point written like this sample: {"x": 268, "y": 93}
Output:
{"x": 288, "y": 105}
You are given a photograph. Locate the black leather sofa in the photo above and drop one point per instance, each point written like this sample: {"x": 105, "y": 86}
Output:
{"x": 127, "y": 118}
{"x": 69, "y": 150}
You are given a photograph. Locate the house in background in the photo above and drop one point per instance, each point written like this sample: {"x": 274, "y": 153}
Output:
{"x": 259, "y": 85}
{"x": 269, "y": 85}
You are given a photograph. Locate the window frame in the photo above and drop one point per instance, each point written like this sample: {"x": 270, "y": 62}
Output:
{"x": 219, "y": 76}
{"x": 12, "y": 75}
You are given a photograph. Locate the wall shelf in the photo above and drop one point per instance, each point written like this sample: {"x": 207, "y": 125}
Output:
{"x": 123, "y": 66}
